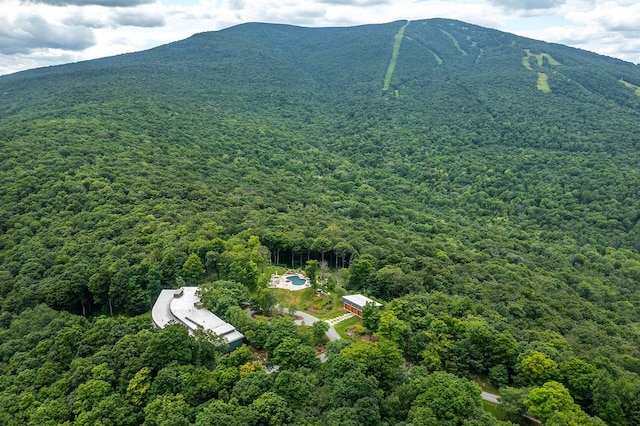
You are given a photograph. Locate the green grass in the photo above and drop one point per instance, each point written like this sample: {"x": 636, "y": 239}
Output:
{"x": 300, "y": 300}
{"x": 539, "y": 59}
{"x": 500, "y": 414}
{"x": 543, "y": 83}
{"x": 337, "y": 309}
{"x": 549, "y": 58}
{"x": 486, "y": 385}
{"x": 292, "y": 299}
{"x": 495, "y": 410}
{"x": 397, "y": 40}
{"x": 543, "y": 78}
{"x": 343, "y": 326}
{"x": 438, "y": 58}
{"x": 631, "y": 86}
{"x": 270, "y": 270}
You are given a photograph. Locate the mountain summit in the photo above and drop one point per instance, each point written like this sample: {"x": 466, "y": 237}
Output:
{"x": 402, "y": 58}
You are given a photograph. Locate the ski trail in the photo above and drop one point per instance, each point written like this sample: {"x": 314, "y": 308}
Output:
{"x": 397, "y": 40}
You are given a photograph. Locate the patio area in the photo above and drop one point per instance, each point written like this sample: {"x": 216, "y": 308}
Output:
{"x": 290, "y": 280}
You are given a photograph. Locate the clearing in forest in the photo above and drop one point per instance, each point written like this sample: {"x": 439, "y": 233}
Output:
{"x": 543, "y": 78}
{"x": 454, "y": 41}
{"x": 397, "y": 40}
{"x": 435, "y": 55}
{"x": 543, "y": 83}
{"x": 438, "y": 58}
{"x": 631, "y": 86}
{"x": 539, "y": 59}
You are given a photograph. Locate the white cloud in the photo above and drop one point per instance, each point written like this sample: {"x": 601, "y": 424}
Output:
{"x": 26, "y": 33}
{"x": 84, "y": 19}
{"x": 613, "y": 17}
{"x": 610, "y": 28}
{"x": 358, "y": 3}
{"x": 138, "y": 19}
{"x": 236, "y": 4}
{"x": 105, "y": 3}
{"x": 528, "y": 4}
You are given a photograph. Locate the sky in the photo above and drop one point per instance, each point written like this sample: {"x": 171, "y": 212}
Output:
{"x": 36, "y": 33}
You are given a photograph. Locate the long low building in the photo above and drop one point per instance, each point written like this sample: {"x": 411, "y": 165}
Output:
{"x": 355, "y": 303}
{"x": 183, "y": 306}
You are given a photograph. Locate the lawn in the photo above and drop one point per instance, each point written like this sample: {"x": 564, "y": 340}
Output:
{"x": 486, "y": 385}
{"x": 323, "y": 307}
{"x": 343, "y": 326}
{"x": 494, "y": 409}
{"x": 293, "y": 299}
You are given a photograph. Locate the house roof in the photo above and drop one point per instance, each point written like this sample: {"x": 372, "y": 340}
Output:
{"x": 359, "y": 300}
{"x": 161, "y": 313}
{"x": 173, "y": 306}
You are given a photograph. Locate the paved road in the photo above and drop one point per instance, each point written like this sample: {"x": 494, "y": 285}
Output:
{"x": 332, "y": 334}
{"x": 307, "y": 319}
{"x": 490, "y": 397}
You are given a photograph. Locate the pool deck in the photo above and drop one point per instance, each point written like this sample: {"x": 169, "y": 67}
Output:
{"x": 281, "y": 281}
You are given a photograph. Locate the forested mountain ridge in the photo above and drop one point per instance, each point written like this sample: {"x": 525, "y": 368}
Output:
{"x": 490, "y": 178}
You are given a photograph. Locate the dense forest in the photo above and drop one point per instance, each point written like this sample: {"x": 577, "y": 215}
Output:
{"x": 484, "y": 186}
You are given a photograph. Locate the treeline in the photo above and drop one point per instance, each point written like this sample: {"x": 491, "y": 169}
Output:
{"x": 119, "y": 285}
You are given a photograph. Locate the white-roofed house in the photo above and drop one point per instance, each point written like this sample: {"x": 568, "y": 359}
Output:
{"x": 355, "y": 303}
{"x": 183, "y": 306}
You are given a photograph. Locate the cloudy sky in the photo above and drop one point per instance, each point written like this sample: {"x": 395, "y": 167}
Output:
{"x": 36, "y": 33}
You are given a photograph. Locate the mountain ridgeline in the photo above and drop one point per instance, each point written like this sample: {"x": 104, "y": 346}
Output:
{"x": 489, "y": 179}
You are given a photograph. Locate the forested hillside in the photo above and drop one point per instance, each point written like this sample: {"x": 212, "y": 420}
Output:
{"x": 486, "y": 186}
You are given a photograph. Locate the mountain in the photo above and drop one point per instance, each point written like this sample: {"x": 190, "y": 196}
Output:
{"x": 483, "y": 175}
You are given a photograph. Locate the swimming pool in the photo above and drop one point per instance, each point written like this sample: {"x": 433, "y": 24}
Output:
{"x": 296, "y": 280}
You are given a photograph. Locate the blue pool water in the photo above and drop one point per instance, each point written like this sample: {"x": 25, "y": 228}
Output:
{"x": 296, "y": 280}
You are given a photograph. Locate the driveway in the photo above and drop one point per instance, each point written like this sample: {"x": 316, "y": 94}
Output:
{"x": 332, "y": 334}
{"x": 307, "y": 319}
{"x": 490, "y": 397}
